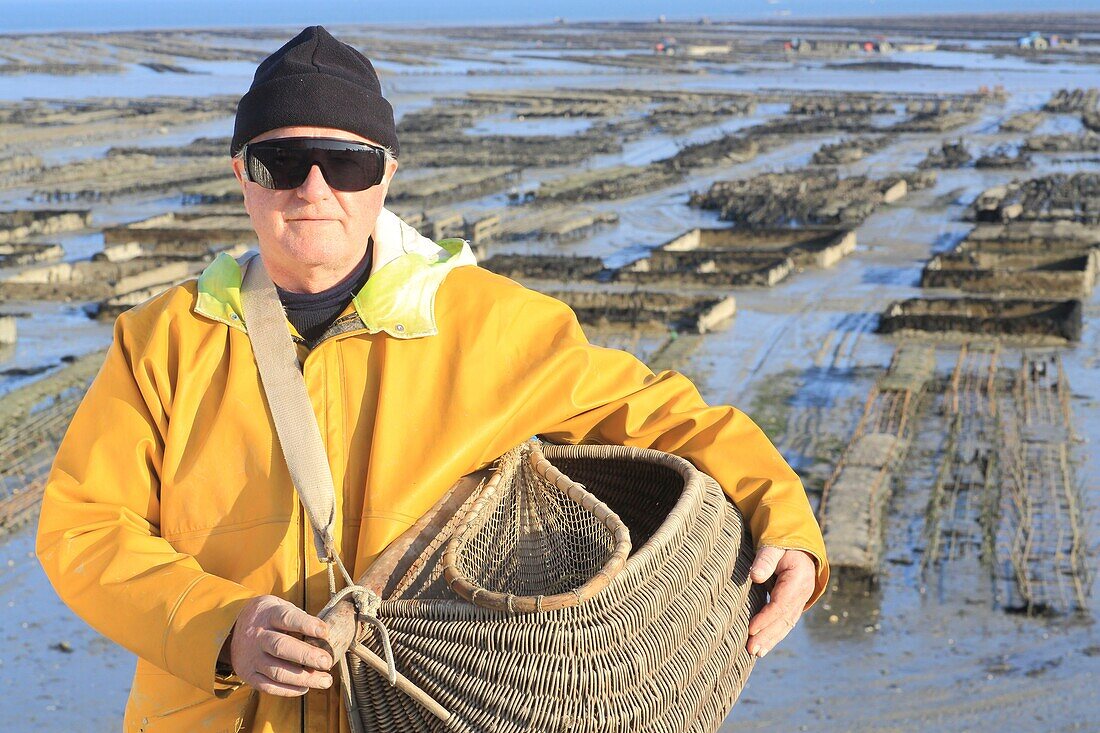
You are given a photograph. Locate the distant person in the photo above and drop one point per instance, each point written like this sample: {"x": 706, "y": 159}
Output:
{"x": 169, "y": 520}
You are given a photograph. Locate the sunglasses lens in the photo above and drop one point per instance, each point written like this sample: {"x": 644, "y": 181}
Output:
{"x": 352, "y": 170}
{"x": 276, "y": 167}
{"x": 285, "y": 163}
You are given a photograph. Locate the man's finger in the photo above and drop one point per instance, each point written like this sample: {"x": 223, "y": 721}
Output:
{"x": 776, "y": 619}
{"x": 293, "y": 650}
{"x": 287, "y": 673}
{"x": 265, "y": 684}
{"x": 764, "y": 641}
{"x": 775, "y": 611}
{"x": 288, "y": 617}
{"x": 787, "y": 599}
{"x": 763, "y": 567}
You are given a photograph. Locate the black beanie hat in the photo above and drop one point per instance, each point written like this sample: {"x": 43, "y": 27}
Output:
{"x": 315, "y": 80}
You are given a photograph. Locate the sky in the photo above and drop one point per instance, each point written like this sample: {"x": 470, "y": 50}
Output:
{"x": 45, "y": 15}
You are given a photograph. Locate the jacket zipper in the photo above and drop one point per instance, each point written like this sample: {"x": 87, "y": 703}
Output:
{"x": 302, "y": 558}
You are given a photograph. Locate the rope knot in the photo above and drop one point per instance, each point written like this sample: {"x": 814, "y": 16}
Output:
{"x": 367, "y": 603}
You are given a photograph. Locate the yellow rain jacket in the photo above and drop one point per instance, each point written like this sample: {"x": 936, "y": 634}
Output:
{"x": 170, "y": 505}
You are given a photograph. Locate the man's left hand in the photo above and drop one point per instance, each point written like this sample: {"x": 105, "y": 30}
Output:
{"x": 790, "y": 575}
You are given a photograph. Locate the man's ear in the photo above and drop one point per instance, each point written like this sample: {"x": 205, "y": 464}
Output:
{"x": 238, "y": 171}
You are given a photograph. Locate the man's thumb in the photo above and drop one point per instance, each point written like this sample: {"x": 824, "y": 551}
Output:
{"x": 763, "y": 567}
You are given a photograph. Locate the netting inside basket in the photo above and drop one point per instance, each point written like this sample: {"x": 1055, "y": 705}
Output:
{"x": 530, "y": 538}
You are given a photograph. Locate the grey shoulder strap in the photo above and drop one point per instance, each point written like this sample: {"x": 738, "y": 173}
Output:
{"x": 295, "y": 421}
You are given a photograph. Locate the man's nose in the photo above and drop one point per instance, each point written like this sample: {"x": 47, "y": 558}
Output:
{"x": 315, "y": 187}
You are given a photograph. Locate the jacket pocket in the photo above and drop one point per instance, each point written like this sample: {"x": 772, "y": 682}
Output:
{"x": 161, "y": 703}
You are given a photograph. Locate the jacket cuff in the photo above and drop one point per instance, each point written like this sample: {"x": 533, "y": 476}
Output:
{"x": 202, "y": 619}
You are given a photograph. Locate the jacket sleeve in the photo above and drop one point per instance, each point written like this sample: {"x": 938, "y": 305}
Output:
{"x": 98, "y": 533}
{"x": 607, "y": 396}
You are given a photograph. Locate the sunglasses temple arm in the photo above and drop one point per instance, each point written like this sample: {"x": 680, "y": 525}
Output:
{"x": 244, "y": 168}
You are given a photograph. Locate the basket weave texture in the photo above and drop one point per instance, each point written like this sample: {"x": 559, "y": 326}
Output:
{"x": 626, "y": 612}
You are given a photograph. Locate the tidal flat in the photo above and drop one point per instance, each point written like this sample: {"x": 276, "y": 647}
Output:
{"x": 876, "y": 236}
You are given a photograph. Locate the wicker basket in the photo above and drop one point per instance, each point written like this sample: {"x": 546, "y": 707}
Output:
{"x": 593, "y": 588}
{"x": 514, "y": 614}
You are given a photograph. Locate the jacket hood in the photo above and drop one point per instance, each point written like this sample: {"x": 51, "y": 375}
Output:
{"x": 398, "y": 298}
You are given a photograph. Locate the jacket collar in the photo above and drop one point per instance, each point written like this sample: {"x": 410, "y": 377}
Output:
{"x": 398, "y": 297}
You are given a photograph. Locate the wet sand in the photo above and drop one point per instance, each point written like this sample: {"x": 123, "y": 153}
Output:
{"x": 927, "y": 651}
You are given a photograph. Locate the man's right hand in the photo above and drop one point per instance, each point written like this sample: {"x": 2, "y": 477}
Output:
{"x": 265, "y": 655}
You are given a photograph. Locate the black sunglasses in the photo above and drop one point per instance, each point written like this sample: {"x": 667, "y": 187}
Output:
{"x": 284, "y": 163}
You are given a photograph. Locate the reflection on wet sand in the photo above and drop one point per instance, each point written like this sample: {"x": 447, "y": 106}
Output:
{"x": 877, "y": 241}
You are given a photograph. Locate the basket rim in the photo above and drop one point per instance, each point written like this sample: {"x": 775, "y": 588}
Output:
{"x": 539, "y": 455}
{"x": 692, "y": 496}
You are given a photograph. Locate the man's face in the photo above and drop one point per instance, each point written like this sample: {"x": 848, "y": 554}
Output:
{"x": 313, "y": 235}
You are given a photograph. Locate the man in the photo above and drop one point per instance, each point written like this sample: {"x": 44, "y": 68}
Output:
{"x": 170, "y": 522}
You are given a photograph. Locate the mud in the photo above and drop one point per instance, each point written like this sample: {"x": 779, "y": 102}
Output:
{"x": 849, "y": 106}
{"x": 647, "y": 310}
{"x": 1004, "y": 156}
{"x": 95, "y": 280}
{"x": 31, "y": 125}
{"x": 727, "y": 150}
{"x": 711, "y": 269}
{"x": 1088, "y": 142}
{"x": 1064, "y": 197}
{"x": 712, "y": 258}
{"x": 451, "y": 185}
{"x": 26, "y": 253}
{"x": 850, "y": 150}
{"x": 1072, "y": 101}
{"x": 19, "y": 163}
{"x": 1023, "y": 122}
{"x": 562, "y": 225}
{"x": 1057, "y": 237}
{"x": 17, "y": 225}
{"x": 52, "y": 69}
{"x": 32, "y": 422}
{"x": 545, "y": 267}
{"x": 1049, "y": 275}
{"x": 613, "y": 111}
{"x": 202, "y": 147}
{"x": 86, "y": 53}
{"x": 606, "y": 183}
{"x": 854, "y": 499}
{"x": 936, "y": 650}
{"x": 805, "y": 246}
{"x": 126, "y": 175}
{"x": 947, "y": 155}
{"x": 937, "y": 120}
{"x": 507, "y": 151}
{"x": 778, "y": 199}
{"x": 1057, "y": 319}
{"x": 1091, "y": 121}
{"x": 8, "y": 330}
{"x": 184, "y": 234}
